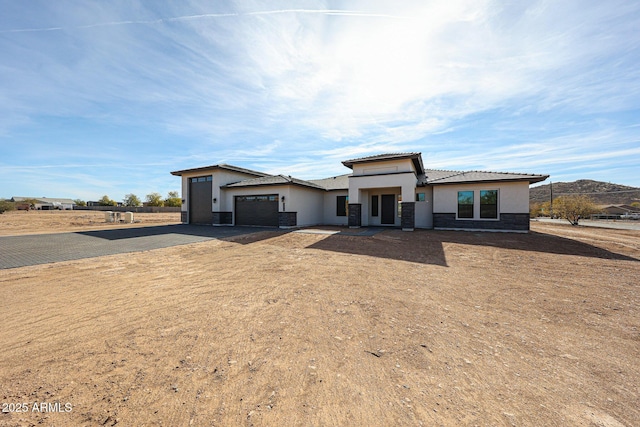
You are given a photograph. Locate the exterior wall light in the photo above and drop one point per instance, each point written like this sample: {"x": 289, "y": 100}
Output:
{"x": 215, "y": 200}
{"x": 282, "y": 198}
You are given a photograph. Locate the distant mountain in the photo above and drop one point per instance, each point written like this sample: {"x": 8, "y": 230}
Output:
{"x": 602, "y": 193}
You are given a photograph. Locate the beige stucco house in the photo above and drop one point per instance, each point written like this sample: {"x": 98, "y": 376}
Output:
{"x": 392, "y": 190}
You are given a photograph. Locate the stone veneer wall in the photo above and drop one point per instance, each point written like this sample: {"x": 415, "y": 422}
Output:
{"x": 508, "y": 221}
{"x": 408, "y": 218}
{"x": 355, "y": 214}
{"x": 183, "y": 216}
{"x": 287, "y": 219}
{"x": 222, "y": 218}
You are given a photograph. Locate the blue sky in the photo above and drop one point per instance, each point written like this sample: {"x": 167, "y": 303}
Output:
{"x": 108, "y": 97}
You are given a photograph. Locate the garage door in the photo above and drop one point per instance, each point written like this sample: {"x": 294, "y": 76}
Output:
{"x": 200, "y": 189}
{"x": 257, "y": 210}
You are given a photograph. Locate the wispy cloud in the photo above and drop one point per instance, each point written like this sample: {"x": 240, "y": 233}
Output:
{"x": 485, "y": 84}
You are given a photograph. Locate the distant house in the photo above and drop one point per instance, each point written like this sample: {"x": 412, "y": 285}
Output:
{"x": 392, "y": 190}
{"x": 44, "y": 203}
{"x": 618, "y": 209}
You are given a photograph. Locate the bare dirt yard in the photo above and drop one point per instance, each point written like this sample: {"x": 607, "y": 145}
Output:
{"x": 286, "y": 328}
{"x": 13, "y": 223}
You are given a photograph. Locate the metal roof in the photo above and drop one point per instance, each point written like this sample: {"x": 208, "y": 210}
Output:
{"x": 220, "y": 166}
{"x": 44, "y": 200}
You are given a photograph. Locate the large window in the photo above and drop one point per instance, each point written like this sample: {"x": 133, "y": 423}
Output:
{"x": 342, "y": 205}
{"x": 489, "y": 204}
{"x": 465, "y": 204}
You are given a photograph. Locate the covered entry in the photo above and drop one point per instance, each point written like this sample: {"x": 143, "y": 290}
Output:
{"x": 200, "y": 200}
{"x": 259, "y": 210}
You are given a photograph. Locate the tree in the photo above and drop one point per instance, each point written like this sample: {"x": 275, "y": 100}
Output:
{"x": 6, "y": 205}
{"x": 154, "y": 199}
{"x": 173, "y": 199}
{"x": 106, "y": 201}
{"x": 573, "y": 208}
{"x": 131, "y": 200}
{"x": 635, "y": 204}
{"x": 79, "y": 202}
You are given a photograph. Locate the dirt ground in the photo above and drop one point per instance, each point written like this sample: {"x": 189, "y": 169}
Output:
{"x": 274, "y": 328}
{"x": 32, "y": 222}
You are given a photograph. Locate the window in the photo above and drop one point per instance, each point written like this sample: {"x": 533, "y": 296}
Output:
{"x": 202, "y": 179}
{"x": 399, "y": 205}
{"x": 374, "y": 205}
{"x": 420, "y": 197}
{"x": 342, "y": 205}
{"x": 489, "y": 204}
{"x": 465, "y": 204}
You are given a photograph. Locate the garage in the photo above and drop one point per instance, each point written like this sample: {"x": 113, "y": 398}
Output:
{"x": 259, "y": 210}
{"x": 200, "y": 189}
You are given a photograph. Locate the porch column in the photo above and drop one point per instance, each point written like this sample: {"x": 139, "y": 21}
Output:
{"x": 355, "y": 207}
{"x": 408, "y": 207}
{"x": 355, "y": 215}
{"x": 408, "y": 219}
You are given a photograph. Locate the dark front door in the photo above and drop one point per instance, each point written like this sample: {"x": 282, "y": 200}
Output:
{"x": 388, "y": 209}
{"x": 200, "y": 201}
{"x": 257, "y": 210}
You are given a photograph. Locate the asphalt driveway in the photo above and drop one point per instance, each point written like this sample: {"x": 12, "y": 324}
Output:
{"x": 20, "y": 251}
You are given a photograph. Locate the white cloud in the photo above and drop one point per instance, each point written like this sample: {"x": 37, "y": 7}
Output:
{"x": 481, "y": 84}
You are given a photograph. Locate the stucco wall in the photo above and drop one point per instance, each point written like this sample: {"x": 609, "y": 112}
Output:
{"x": 424, "y": 210}
{"x": 513, "y": 197}
{"x": 308, "y": 203}
{"x": 329, "y": 208}
{"x": 383, "y": 167}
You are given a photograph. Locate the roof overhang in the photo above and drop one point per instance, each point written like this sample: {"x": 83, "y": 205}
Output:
{"x": 218, "y": 167}
{"x": 416, "y": 158}
{"x": 532, "y": 179}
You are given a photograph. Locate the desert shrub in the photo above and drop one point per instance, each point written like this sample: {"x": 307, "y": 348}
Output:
{"x": 6, "y": 205}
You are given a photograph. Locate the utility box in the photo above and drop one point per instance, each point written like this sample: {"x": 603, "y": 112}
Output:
{"x": 128, "y": 217}
{"x": 109, "y": 216}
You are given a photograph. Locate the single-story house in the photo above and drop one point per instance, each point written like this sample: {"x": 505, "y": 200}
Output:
{"x": 621, "y": 209}
{"x": 384, "y": 190}
{"x": 46, "y": 203}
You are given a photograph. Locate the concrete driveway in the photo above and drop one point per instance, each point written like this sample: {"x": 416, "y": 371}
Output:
{"x": 20, "y": 251}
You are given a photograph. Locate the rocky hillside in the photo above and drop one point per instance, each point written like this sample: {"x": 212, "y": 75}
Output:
{"x": 602, "y": 193}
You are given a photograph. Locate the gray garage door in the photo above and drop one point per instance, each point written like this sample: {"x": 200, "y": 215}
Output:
{"x": 200, "y": 189}
{"x": 257, "y": 210}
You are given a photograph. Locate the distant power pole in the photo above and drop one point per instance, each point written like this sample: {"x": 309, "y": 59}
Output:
{"x": 551, "y": 201}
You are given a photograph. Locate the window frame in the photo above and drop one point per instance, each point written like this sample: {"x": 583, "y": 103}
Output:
{"x": 495, "y": 213}
{"x": 472, "y": 204}
{"x": 344, "y": 204}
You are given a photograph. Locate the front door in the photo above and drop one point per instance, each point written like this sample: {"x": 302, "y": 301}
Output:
{"x": 388, "y": 215}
